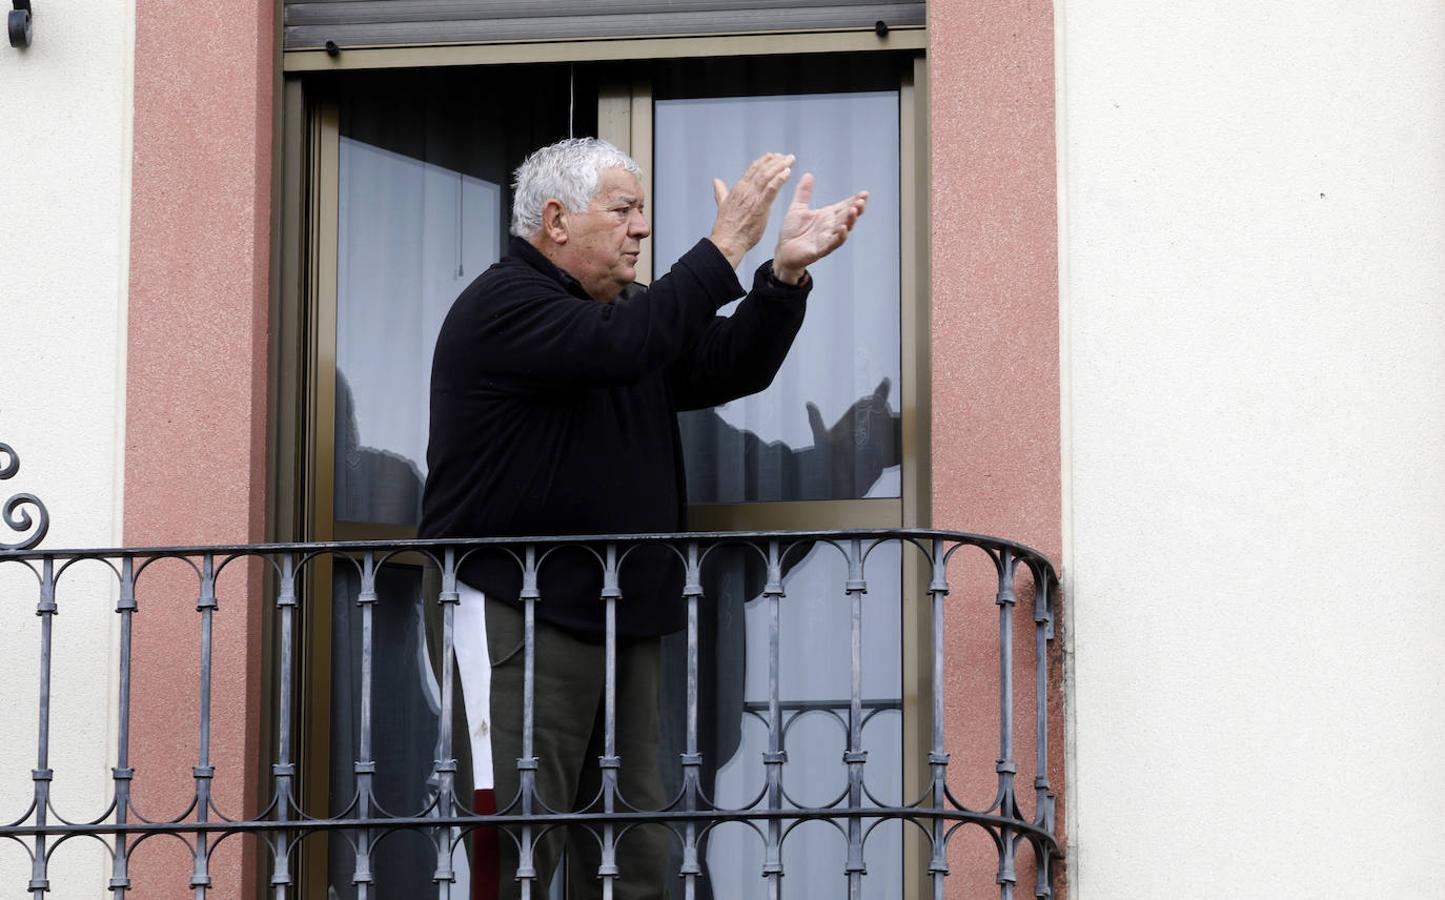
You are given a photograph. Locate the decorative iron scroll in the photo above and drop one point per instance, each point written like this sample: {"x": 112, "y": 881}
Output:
{"x": 17, "y": 518}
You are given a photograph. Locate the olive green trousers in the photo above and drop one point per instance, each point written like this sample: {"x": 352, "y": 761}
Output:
{"x": 568, "y": 738}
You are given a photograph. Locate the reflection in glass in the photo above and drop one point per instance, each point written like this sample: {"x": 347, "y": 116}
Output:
{"x": 412, "y": 235}
{"x": 827, "y": 429}
{"x": 422, "y": 209}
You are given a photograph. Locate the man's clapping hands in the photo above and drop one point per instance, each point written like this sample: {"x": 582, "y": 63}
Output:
{"x": 806, "y": 235}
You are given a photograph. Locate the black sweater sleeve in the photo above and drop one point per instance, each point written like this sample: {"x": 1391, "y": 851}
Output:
{"x": 740, "y": 354}
{"x": 540, "y": 334}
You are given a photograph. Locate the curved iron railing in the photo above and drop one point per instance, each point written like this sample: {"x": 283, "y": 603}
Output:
{"x": 447, "y": 818}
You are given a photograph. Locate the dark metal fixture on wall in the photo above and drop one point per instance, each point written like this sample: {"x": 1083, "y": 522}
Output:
{"x": 19, "y": 24}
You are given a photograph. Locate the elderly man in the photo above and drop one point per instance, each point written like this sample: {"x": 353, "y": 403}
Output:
{"x": 554, "y": 391}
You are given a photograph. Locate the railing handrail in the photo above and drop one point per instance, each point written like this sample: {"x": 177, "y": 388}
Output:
{"x": 1022, "y": 550}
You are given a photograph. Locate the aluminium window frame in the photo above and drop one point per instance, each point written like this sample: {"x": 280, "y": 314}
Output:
{"x": 303, "y": 351}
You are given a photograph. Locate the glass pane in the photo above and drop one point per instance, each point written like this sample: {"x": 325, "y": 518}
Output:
{"x": 423, "y": 208}
{"x": 828, "y": 428}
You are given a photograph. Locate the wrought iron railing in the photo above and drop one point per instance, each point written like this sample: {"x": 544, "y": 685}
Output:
{"x": 447, "y": 818}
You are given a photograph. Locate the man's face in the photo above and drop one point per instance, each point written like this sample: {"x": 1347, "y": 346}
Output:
{"x": 604, "y": 240}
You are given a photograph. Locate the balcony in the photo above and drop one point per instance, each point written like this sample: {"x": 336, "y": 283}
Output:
{"x": 804, "y": 760}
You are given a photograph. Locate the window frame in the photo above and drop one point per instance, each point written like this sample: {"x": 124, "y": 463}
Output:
{"x": 303, "y": 354}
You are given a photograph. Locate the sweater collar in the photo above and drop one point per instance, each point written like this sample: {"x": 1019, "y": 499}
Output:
{"x": 533, "y": 257}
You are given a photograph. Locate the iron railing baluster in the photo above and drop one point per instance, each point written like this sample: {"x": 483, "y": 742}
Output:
{"x": 123, "y": 774}
{"x": 691, "y": 758}
{"x": 777, "y": 756}
{"x": 42, "y": 775}
{"x": 446, "y": 764}
{"x": 364, "y": 768}
{"x": 609, "y": 763}
{"x": 204, "y": 772}
{"x": 1043, "y": 796}
{"x": 1006, "y": 767}
{"x": 527, "y": 762}
{"x": 855, "y": 756}
{"x": 283, "y": 772}
{"x": 937, "y": 756}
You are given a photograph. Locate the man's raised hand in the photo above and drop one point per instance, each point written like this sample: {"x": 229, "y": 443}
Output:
{"x": 807, "y": 235}
{"x": 742, "y": 212}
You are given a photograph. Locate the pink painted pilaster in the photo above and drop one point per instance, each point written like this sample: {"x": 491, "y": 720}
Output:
{"x": 995, "y": 346}
{"x": 196, "y": 400}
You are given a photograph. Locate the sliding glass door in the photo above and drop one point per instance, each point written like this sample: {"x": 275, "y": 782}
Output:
{"x": 411, "y": 200}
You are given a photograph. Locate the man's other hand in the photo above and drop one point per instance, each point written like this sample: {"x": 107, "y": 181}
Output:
{"x": 742, "y": 211}
{"x": 808, "y": 235}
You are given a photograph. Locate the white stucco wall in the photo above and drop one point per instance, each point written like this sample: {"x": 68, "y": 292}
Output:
{"x": 64, "y": 204}
{"x": 1253, "y": 297}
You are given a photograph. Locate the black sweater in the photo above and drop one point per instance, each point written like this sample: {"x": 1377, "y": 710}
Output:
{"x": 553, "y": 414}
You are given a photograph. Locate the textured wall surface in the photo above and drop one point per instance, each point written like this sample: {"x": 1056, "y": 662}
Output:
{"x": 1254, "y": 299}
{"x": 64, "y": 191}
{"x": 995, "y": 315}
{"x": 195, "y": 439}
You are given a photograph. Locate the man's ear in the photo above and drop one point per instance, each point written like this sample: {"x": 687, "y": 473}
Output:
{"x": 554, "y": 221}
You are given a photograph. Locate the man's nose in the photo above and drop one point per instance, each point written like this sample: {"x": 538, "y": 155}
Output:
{"x": 638, "y": 227}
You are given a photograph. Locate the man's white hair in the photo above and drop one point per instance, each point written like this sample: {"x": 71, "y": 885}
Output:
{"x": 568, "y": 170}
